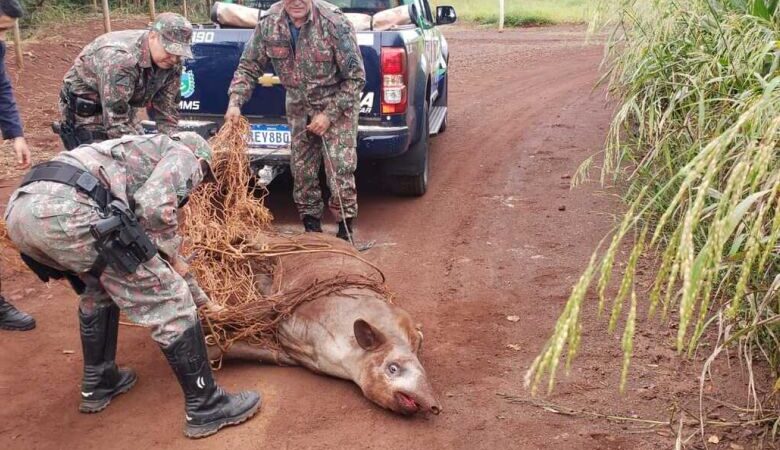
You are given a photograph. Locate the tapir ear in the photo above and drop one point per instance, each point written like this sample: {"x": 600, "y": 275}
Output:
{"x": 417, "y": 343}
{"x": 368, "y": 337}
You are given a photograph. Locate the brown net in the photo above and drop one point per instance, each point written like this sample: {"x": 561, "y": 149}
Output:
{"x": 257, "y": 275}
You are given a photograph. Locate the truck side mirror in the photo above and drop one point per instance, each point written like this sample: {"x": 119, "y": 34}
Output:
{"x": 445, "y": 15}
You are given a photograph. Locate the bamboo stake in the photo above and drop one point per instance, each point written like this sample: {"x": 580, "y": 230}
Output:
{"x": 18, "y": 45}
{"x": 106, "y": 17}
{"x": 151, "y": 10}
{"x": 184, "y": 6}
{"x": 500, "y": 16}
{"x": 94, "y": 4}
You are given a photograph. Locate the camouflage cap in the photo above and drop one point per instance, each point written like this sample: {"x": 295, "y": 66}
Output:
{"x": 175, "y": 33}
{"x": 195, "y": 142}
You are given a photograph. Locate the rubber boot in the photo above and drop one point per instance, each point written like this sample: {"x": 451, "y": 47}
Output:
{"x": 342, "y": 233}
{"x": 312, "y": 224}
{"x": 12, "y": 319}
{"x": 207, "y": 407}
{"x": 102, "y": 380}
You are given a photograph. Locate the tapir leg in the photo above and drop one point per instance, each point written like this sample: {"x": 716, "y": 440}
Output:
{"x": 242, "y": 350}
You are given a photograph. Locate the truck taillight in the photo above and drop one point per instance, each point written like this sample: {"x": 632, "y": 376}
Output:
{"x": 393, "y": 81}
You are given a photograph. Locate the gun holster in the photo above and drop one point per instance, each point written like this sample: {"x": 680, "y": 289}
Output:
{"x": 121, "y": 240}
{"x": 72, "y": 135}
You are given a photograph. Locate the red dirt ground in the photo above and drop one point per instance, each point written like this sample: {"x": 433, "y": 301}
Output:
{"x": 499, "y": 234}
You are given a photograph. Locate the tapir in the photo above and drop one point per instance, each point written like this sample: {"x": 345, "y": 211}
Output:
{"x": 354, "y": 334}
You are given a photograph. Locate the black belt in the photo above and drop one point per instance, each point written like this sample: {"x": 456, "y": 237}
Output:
{"x": 67, "y": 174}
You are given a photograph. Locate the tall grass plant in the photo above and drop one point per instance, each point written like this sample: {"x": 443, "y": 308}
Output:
{"x": 695, "y": 139}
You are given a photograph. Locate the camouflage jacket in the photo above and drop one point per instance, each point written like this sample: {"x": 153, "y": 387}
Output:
{"x": 151, "y": 173}
{"x": 322, "y": 73}
{"x": 116, "y": 69}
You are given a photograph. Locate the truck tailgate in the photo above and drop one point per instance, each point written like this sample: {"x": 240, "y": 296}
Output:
{"x": 206, "y": 77}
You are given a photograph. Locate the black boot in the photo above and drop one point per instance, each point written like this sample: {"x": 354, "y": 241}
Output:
{"x": 312, "y": 224}
{"x": 103, "y": 380}
{"x": 207, "y": 407}
{"x": 342, "y": 234}
{"x": 13, "y": 319}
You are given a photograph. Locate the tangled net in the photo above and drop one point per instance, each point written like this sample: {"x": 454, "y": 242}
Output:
{"x": 238, "y": 256}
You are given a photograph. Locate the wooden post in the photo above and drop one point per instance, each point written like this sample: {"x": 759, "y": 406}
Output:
{"x": 106, "y": 17}
{"x": 500, "y": 16}
{"x": 152, "y": 13}
{"x": 184, "y": 6}
{"x": 18, "y": 46}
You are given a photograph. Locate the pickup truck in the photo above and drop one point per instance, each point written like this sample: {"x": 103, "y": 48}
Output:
{"x": 396, "y": 119}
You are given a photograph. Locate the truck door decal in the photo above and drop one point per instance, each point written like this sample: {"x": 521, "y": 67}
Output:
{"x": 367, "y": 103}
{"x": 187, "y": 86}
{"x": 202, "y": 37}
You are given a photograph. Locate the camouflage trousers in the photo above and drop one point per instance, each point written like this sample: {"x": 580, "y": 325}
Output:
{"x": 55, "y": 231}
{"x": 306, "y": 159}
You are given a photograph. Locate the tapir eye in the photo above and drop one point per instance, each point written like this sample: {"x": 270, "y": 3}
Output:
{"x": 393, "y": 368}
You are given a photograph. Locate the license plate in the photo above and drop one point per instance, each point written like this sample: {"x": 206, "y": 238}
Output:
{"x": 269, "y": 136}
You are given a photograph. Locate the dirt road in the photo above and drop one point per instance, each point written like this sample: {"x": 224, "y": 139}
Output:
{"x": 499, "y": 234}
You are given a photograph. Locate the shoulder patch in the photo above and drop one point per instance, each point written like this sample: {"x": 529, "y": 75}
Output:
{"x": 353, "y": 63}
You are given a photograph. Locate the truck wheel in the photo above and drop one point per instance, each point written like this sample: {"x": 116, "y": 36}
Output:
{"x": 415, "y": 185}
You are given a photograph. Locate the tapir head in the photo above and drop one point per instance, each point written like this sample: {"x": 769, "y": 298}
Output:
{"x": 390, "y": 372}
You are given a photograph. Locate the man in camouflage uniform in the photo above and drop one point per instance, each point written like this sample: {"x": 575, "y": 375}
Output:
{"x": 52, "y": 223}
{"x": 119, "y": 72}
{"x": 314, "y": 51}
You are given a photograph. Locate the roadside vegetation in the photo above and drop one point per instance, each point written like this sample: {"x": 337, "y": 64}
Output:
{"x": 520, "y": 12}
{"x": 695, "y": 140}
{"x": 39, "y": 13}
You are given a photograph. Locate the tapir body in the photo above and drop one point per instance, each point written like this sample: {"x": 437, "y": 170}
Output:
{"x": 354, "y": 334}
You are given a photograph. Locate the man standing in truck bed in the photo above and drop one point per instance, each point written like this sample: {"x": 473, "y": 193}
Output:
{"x": 314, "y": 51}
{"x": 121, "y": 71}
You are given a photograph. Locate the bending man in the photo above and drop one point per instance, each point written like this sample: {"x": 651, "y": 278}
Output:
{"x": 105, "y": 217}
